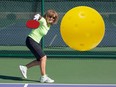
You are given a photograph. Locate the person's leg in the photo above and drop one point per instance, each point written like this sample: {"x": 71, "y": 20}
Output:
{"x": 43, "y": 65}
{"x": 33, "y": 63}
{"x": 41, "y": 59}
{"x": 24, "y": 69}
{"x": 44, "y": 78}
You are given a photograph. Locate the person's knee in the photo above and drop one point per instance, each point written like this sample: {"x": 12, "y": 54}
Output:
{"x": 44, "y": 58}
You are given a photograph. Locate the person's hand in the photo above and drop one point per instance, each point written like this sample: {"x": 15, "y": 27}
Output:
{"x": 36, "y": 17}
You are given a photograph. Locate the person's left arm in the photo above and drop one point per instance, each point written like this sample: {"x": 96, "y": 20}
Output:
{"x": 37, "y": 17}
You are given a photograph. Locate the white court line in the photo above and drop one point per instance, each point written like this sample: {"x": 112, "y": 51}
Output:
{"x": 58, "y": 84}
{"x": 53, "y": 40}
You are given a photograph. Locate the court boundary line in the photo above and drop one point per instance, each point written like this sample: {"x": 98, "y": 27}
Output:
{"x": 58, "y": 84}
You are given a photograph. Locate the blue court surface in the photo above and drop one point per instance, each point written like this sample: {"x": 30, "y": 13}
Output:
{"x": 57, "y": 85}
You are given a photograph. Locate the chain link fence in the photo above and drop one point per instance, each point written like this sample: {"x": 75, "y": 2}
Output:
{"x": 13, "y": 32}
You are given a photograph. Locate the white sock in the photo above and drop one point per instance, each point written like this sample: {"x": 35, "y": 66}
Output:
{"x": 44, "y": 76}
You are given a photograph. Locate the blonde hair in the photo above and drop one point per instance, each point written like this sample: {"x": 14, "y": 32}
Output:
{"x": 52, "y": 13}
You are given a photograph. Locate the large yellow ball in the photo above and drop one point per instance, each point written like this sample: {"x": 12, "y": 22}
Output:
{"x": 82, "y": 28}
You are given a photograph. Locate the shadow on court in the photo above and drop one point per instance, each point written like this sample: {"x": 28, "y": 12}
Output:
{"x": 5, "y": 77}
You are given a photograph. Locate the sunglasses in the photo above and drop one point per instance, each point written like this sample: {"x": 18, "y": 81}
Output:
{"x": 52, "y": 17}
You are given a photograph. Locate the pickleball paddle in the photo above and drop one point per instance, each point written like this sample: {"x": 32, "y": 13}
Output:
{"x": 32, "y": 24}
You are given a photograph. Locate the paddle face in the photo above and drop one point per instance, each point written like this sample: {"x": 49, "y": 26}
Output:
{"x": 32, "y": 24}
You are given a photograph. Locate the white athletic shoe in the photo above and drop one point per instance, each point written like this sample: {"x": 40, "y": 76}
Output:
{"x": 23, "y": 70}
{"x": 46, "y": 79}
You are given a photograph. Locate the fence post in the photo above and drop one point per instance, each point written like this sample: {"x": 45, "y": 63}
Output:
{"x": 42, "y": 13}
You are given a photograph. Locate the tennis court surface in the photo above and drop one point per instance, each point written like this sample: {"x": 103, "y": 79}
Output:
{"x": 57, "y": 85}
{"x": 62, "y": 70}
